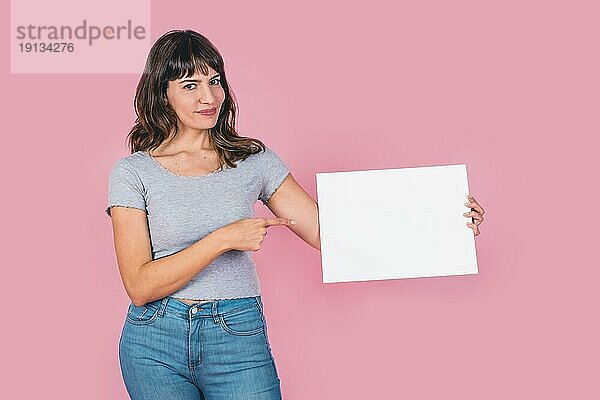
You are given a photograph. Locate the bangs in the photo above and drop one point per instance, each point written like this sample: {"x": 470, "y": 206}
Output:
{"x": 188, "y": 58}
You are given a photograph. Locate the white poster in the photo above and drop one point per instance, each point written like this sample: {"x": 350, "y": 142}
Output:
{"x": 395, "y": 223}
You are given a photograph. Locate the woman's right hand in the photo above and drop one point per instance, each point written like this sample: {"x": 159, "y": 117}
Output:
{"x": 248, "y": 234}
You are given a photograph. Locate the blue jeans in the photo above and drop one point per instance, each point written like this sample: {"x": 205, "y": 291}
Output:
{"x": 212, "y": 351}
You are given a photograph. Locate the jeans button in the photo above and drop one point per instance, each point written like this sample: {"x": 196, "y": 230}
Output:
{"x": 194, "y": 310}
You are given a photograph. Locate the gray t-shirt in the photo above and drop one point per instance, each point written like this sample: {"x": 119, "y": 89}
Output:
{"x": 182, "y": 210}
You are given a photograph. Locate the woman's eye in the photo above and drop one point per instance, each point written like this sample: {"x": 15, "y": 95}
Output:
{"x": 218, "y": 81}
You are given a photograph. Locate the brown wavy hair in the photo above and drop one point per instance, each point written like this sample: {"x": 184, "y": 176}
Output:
{"x": 177, "y": 54}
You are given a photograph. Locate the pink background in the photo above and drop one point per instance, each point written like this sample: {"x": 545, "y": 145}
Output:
{"x": 510, "y": 89}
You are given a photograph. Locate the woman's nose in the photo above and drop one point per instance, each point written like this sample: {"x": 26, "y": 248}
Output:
{"x": 206, "y": 95}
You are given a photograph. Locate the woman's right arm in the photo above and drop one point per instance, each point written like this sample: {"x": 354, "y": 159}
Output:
{"x": 145, "y": 279}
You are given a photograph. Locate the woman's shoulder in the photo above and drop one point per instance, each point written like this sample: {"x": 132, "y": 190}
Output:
{"x": 255, "y": 158}
{"x": 269, "y": 156}
{"x": 267, "y": 153}
{"x": 131, "y": 163}
{"x": 133, "y": 159}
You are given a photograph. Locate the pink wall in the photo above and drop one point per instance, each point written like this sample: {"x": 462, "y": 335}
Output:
{"x": 510, "y": 89}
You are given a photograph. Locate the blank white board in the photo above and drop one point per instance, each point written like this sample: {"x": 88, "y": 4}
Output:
{"x": 395, "y": 223}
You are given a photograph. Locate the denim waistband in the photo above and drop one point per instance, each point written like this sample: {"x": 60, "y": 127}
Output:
{"x": 212, "y": 308}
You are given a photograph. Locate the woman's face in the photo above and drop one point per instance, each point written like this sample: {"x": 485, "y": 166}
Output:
{"x": 190, "y": 95}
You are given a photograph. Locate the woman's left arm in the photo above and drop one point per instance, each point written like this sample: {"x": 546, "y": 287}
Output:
{"x": 291, "y": 201}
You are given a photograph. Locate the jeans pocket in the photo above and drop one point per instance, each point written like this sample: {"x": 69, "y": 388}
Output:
{"x": 242, "y": 322}
{"x": 141, "y": 315}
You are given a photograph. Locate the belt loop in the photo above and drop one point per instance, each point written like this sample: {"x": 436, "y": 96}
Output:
{"x": 215, "y": 311}
{"x": 163, "y": 305}
{"x": 259, "y": 302}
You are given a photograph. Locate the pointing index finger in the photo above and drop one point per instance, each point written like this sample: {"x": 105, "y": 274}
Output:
{"x": 279, "y": 221}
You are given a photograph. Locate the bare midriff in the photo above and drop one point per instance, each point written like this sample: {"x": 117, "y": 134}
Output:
{"x": 192, "y": 301}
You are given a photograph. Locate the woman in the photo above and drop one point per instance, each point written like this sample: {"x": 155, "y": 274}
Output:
{"x": 182, "y": 212}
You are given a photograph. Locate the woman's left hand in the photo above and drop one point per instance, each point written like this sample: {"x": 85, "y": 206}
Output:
{"x": 476, "y": 212}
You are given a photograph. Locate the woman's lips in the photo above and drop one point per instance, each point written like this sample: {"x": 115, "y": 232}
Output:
{"x": 210, "y": 111}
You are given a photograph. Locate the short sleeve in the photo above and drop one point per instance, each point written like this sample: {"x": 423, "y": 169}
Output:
{"x": 273, "y": 171}
{"x": 125, "y": 187}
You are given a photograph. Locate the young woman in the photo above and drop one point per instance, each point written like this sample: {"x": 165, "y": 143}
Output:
{"x": 182, "y": 213}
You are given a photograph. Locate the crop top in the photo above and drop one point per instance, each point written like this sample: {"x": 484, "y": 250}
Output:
{"x": 183, "y": 209}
